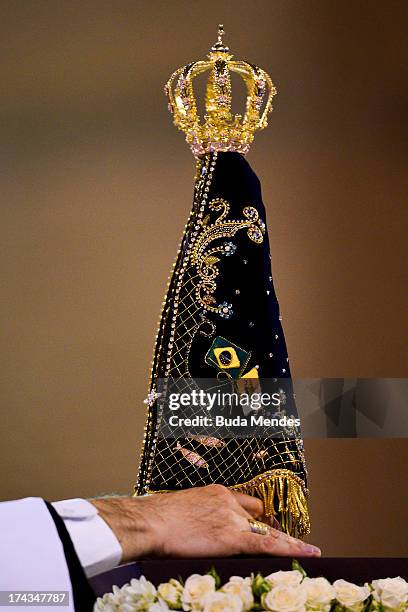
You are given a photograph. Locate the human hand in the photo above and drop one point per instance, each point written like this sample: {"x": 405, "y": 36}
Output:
{"x": 207, "y": 521}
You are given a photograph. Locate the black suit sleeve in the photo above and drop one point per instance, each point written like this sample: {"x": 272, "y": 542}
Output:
{"x": 84, "y": 597}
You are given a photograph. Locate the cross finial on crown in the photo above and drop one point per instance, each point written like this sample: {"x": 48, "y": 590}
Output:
{"x": 219, "y": 45}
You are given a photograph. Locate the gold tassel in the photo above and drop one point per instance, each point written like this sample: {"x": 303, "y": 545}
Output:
{"x": 284, "y": 496}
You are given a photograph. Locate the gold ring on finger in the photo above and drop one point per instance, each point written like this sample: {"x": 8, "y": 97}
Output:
{"x": 258, "y": 527}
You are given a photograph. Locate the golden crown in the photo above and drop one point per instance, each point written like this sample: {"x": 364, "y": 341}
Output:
{"x": 221, "y": 130}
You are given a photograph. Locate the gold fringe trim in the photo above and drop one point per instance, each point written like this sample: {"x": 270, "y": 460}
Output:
{"x": 284, "y": 496}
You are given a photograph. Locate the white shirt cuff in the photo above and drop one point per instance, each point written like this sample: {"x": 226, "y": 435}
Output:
{"x": 95, "y": 543}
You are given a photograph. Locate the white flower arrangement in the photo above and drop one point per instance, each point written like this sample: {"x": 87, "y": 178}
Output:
{"x": 283, "y": 591}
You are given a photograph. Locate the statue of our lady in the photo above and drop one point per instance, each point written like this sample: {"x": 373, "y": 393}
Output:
{"x": 220, "y": 315}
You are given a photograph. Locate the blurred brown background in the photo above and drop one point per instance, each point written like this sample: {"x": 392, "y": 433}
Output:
{"x": 96, "y": 185}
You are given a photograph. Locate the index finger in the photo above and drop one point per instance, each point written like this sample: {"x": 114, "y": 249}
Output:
{"x": 251, "y": 504}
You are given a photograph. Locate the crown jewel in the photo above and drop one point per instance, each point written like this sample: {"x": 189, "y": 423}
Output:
{"x": 220, "y": 129}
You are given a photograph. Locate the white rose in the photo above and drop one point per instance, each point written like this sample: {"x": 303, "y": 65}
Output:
{"x": 284, "y": 598}
{"x": 319, "y": 594}
{"x": 350, "y": 595}
{"x": 392, "y": 593}
{"x": 242, "y": 588}
{"x": 126, "y": 607}
{"x": 158, "y": 606}
{"x": 105, "y": 604}
{"x": 171, "y": 593}
{"x": 289, "y": 578}
{"x": 195, "y": 589}
{"x": 140, "y": 593}
{"x": 222, "y": 602}
{"x": 111, "y": 602}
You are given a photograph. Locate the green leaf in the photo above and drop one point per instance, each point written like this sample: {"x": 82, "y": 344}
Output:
{"x": 296, "y": 566}
{"x": 260, "y": 585}
{"x": 181, "y": 581}
{"x": 372, "y": 605}
{"x": 213, "y": 572}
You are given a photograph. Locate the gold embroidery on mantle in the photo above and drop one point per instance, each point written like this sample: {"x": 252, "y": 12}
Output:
{"x": 206, "y": 259}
